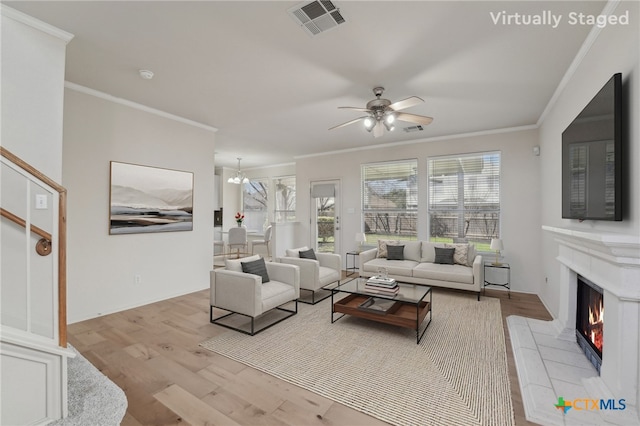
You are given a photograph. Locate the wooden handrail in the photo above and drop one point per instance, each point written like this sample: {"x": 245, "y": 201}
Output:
{"x": 62, "y": 238}
{"x": 20, "y": 221}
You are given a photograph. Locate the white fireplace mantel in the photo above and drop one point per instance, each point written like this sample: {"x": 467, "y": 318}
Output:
{"x": 548, "y": 361}
{"x": 608, "y": 259}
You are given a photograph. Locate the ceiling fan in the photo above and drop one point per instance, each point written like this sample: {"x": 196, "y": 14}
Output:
{"x": 383, "y": 114}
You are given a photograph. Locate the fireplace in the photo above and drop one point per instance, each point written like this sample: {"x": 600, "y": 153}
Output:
{"x": 590, "y": 320}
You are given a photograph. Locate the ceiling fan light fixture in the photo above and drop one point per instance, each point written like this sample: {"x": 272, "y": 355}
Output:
{"x": 388, "y": 125}
{"x": 390, "y": 118}
{"x": 369, "y": 123}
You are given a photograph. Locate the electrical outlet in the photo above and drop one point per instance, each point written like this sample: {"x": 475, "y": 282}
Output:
{"x": 137, "y": 279}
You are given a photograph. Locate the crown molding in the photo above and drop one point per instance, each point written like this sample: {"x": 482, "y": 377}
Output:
{"x": 98, "y": 94}
{"x": 425, "y": 140}
{"x": 608, "y": 9}
{"x": 35, "y": 23}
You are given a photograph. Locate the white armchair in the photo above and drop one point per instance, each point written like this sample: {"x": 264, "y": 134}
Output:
{"x": 315, "y": 274}
{"x": 245, "y": 294}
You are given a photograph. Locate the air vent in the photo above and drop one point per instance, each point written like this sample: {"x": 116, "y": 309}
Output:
{"x": 317, "y": 16}
{"x": 412, "y": 129}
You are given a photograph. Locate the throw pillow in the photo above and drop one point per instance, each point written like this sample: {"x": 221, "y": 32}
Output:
{"x": 382, "y": 246}
{"x": 307, "y": 254}
{"x": 461, "y": 253}
{"x": 256, "y": 267}
{"x": 295, "y": 252}
{"x": 472, "y": 255}
{"x": 444, "y": 255}
{"x": 234, "y": 264}
{"x": 395, "y": 252}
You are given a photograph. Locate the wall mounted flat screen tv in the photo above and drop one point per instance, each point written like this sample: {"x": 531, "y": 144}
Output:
{"x": 592, "y": 158}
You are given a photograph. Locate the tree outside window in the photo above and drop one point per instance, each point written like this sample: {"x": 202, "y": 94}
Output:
{"x": 285, "y": 199}
{"x": 464, "y": 198}
{"x": 390, "y": 200}
{"x": 255, "y": 203}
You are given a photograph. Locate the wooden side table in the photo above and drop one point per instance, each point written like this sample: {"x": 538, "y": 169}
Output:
{"x": 350, "y": 270}
{"x": 501, "y": 266}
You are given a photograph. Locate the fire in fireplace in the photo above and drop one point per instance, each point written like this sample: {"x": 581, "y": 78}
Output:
{"x": 589, "y": 320}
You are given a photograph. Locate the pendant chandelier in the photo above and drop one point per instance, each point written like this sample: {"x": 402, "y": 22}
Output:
{"x": 239, "y": 177}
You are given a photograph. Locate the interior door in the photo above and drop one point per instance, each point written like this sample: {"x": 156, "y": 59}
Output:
{"x": 325, "y": 216}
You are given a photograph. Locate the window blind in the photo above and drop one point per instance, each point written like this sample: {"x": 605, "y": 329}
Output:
{"x": 464, "y": 197}
{"x": 390, "y": 198}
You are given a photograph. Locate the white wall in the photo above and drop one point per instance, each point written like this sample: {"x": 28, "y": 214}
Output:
{"x": 101, "y": 267}
{"x": 32, "y": 100}
{"x": 614, "y": 50}
{"x": 31, "y": 128}
{"x": 520, "y": 195}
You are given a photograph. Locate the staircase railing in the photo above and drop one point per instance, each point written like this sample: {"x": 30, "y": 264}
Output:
{"x": 44, "y": 246}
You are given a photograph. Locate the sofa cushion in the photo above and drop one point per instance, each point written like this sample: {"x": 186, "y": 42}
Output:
{"x": 395, "y": 252}
{"x": 256, "y": 267}
{"x": 295, "y": 252}
{"x": 428, "y": 253}
{"x": 327, "y": 276}
{"x": 394, "y": 267}
{"x": 235, "y": 264}
{"x": 460, "y": 254}
{"x": 412, "y": 250}
{"x": 307, "y": 254}
{"x": 444, "y": 255}
{"x": 382, "y": 247}
{"x": 449, "y": 273}
{"x": 276, "y": 293}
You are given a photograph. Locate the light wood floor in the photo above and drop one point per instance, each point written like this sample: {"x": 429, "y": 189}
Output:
{"x": 152, "y": 353}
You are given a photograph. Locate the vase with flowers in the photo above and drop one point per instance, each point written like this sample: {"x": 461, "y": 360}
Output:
{"x": 239, "y": 218}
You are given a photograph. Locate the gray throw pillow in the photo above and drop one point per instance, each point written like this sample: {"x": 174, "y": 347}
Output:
{"x": 256, "y": 267}
{"x": 395, "y": 252}
{"x": 307, "y": 254}
{"x": 444, "y": 255}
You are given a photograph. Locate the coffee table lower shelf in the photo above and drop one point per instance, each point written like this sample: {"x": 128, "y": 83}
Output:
{"x": 407, "y": 315}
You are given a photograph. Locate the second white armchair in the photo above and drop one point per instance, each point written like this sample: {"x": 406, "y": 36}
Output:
{"x": 315, "y": 273}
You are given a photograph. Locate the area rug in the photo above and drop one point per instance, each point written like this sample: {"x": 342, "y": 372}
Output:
{"x": 457, "y": 374}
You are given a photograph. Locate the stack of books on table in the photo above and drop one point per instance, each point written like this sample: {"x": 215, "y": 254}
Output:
{"x": 382, "y": 285}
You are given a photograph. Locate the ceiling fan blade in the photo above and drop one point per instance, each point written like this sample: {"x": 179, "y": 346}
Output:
{"x": 349, "y": 122}
{"x": 406, "y": 103}
{"x": 378, "y": 130}
{"x": 413, "y": 118}
{"x": 356, "y": 109}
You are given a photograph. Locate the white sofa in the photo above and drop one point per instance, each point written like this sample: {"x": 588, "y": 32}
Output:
{"x": 418, "y": 265}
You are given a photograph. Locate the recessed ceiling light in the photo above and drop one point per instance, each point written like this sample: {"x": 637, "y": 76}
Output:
{"x": 146, "y": 74}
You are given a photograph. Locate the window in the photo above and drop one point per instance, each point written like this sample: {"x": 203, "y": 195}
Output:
{"x": 285, "y": 199}
{"x": 464, "y": 198}
{"x": 255, "y": 203}
{"x": 390, "y": 200}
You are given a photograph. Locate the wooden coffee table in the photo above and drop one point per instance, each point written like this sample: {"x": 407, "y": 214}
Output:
{"x": 410, "y": 311}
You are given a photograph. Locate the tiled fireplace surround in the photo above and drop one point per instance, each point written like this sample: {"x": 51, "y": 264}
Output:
{"x": 549, "y": 362}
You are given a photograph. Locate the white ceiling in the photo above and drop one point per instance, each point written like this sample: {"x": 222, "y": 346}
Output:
{"x": 273, "y": 91}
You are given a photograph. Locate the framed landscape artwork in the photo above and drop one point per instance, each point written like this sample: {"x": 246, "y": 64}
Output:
{"x": 149, "y": 199}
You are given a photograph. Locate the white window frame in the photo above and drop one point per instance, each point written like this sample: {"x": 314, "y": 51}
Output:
{"x": 478, "y": 173}
{"x": 282, "y": 215}
{"x": 403, "y": 175}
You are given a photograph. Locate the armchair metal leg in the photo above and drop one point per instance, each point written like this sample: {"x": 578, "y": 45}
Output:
{"x": 252, "y": 330}
{"x": 313, "y": 297}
